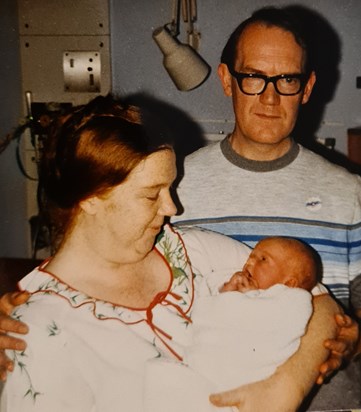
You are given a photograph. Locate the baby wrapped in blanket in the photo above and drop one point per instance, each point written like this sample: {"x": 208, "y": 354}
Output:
{"x": 240, "y": 338}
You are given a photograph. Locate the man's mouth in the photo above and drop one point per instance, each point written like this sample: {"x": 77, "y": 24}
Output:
{"x": 267, "y": 116}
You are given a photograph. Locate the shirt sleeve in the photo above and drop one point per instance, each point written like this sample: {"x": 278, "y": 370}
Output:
{"x": 354, "y": 236}
{"x": 356, "y": 293}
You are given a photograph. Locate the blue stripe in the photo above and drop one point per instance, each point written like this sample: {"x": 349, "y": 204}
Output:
{"x": 334, "y": 235}
{"x": 268, "y": 219}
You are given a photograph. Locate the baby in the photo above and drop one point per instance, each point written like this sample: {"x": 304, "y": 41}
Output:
{"x": 243, "y": 337}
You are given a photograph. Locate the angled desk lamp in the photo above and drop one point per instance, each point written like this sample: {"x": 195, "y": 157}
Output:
{"x": 184, "y": 65}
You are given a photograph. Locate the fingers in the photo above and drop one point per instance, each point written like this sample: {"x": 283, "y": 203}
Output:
{"x": 6, "y": 365}
{"x": 10, "y": 300}
{"x": 246, "y": 283}
{"x": 333, "y": 363}
{"x": 343, "y": 320}
{"x": 227, "y": 287}
{"x": 341, "y": 347}
{"x": 7, "y": 304}
{"x": 8, "y": 324}
{"x": 229, "y": 398}
{"x": 320, "y": 379}
{"x": 10, "y": 342}
{"x": 242, "y": 281}
{"x": 347, "y": 337}
{"x": 18, "y": 298}
{"x": 337, "y": 347}
{"x": 232, "y": 284}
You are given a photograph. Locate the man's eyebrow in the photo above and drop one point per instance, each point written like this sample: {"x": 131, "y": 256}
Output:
{"x": 250, "y": 69}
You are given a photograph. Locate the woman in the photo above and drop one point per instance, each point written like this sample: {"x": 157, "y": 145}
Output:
{"x": 115, "y": 295}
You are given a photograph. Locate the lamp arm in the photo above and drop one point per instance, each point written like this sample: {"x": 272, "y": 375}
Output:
{"x": 174, "y": 25}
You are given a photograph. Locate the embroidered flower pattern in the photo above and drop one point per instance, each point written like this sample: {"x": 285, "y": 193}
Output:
{"x": 19, "y": 360}
{"x": 174, "y": 252}
{"x": 53, "y": 329}
{"x": 178, "y": 299}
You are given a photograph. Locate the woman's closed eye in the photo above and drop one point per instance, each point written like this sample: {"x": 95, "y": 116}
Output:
{"x": 152, "y": 197}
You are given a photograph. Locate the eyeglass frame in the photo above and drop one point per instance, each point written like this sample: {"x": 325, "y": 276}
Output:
{"x": 268, "y": 79}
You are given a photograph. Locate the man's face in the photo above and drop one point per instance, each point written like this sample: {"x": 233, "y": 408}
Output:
{"x": 268, "y": 118}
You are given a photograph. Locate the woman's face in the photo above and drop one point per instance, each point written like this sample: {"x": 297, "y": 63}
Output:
{"x": 131, "y": 215}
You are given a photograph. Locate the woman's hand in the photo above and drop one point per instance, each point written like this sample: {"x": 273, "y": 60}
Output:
{"x": 7, "y": 303}
{"x": 285, "y": 390}
{"x": 342, "y": 347}
{"x": 275, "y": 394}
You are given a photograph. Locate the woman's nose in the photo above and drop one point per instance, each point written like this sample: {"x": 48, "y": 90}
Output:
{"x": 168, "y": 208}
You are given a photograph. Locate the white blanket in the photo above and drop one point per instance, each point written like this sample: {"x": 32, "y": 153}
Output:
{"x": 238, "y": 338}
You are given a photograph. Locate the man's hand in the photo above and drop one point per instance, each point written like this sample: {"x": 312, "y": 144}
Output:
{"x": 7, "y": 303}
{"x": 341, "y": 348}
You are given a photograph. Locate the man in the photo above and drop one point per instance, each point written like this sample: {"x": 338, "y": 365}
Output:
{"x": 258, "y": 182}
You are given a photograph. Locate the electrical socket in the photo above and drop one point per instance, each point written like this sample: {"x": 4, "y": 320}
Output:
{"x": 82, "y": 70}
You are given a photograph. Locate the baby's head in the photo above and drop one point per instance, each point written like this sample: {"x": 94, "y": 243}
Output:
{"x": 283, "y": 260}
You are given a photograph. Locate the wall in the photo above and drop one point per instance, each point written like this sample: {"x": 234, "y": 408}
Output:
{"x": 137, "y": 61}
{"x": 59, "y": 51}
{"x": 12, "y": 184}
{"x": 65, "y": 60}
{"x": 136, "y": 67}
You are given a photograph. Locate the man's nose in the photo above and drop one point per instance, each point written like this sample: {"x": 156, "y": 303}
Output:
{"x": 270, "y": 95}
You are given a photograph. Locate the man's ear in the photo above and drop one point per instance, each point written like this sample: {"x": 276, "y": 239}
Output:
{"x": 291, "y": 282}
{"x": 90, "y": 205}
{"x": 226, "y": 79}
{"x": 308, "y": 88}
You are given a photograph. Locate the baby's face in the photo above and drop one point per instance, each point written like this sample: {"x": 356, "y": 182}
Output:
{"x": 267, "y": 264}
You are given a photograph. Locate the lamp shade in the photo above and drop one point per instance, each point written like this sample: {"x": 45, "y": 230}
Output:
{"x": 184, "y": 65}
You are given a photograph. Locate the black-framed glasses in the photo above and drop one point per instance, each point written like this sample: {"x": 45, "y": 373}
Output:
{"x": 254, "y": 83}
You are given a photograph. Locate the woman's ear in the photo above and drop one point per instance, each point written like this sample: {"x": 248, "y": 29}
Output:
{"x": 90, "y": 205}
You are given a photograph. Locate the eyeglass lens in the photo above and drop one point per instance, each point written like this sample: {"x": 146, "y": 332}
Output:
{"x": 257, "y": 85}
